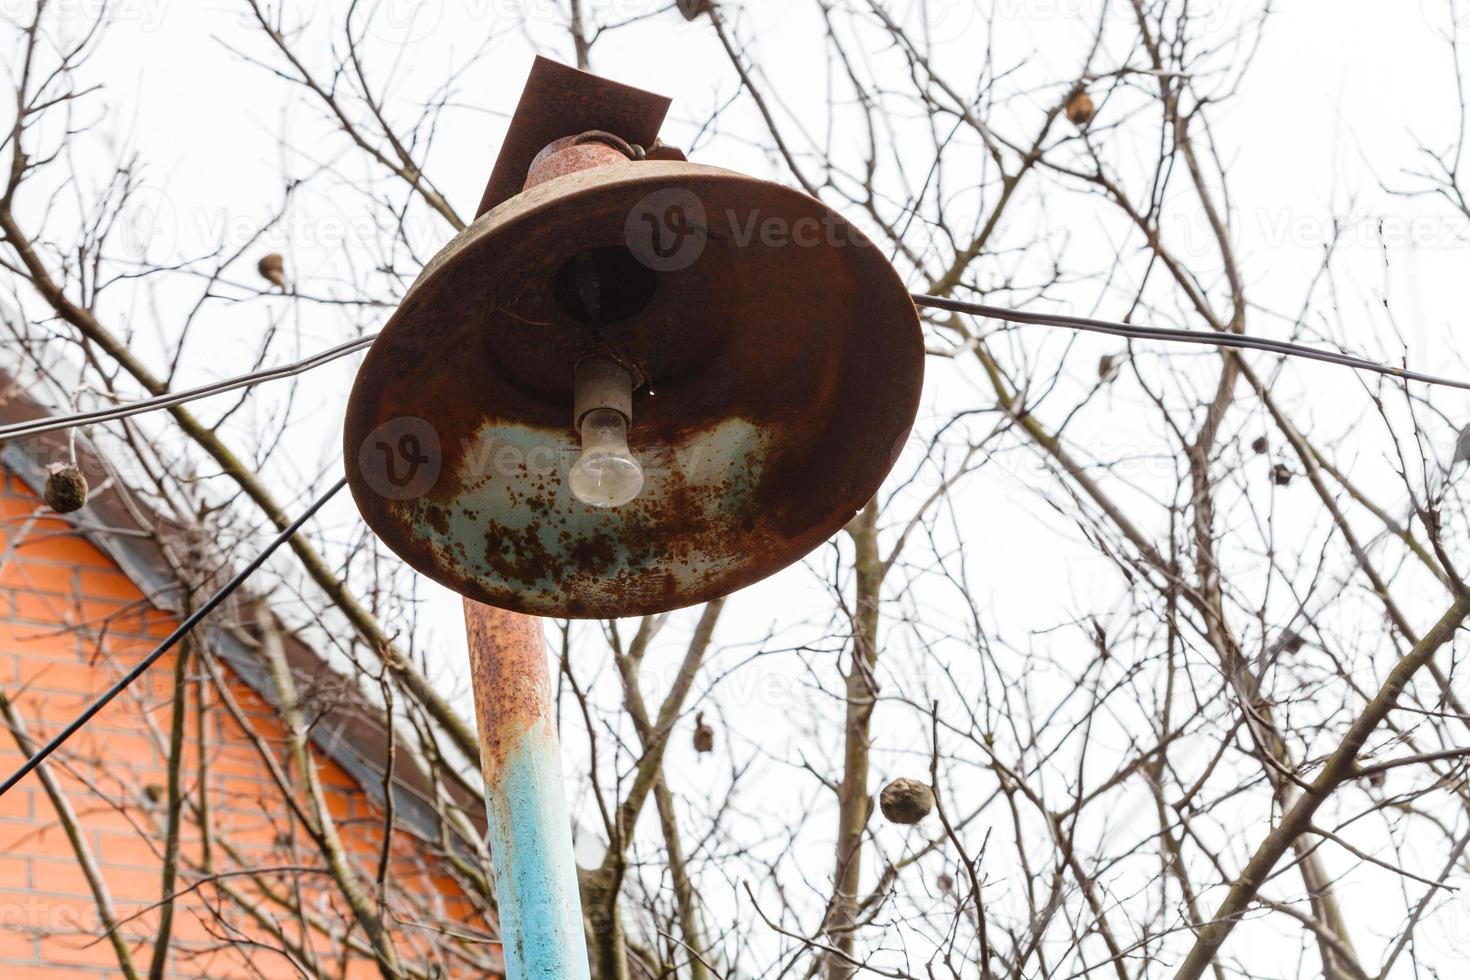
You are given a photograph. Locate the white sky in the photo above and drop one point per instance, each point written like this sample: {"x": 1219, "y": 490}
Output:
{"x": 1340, "y": 97}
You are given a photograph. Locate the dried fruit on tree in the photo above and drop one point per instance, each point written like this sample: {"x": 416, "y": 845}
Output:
{"x": 704, "y": 736}
{"x": 273, "y": 268}
{"x": 906, "y": 801}
{"x": 66, "y": 489}
{"x": 1079, "y": 108}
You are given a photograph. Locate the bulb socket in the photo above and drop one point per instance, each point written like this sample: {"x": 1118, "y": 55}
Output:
{"x": 603, "y": 381}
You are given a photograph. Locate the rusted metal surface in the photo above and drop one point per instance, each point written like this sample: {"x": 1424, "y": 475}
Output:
{"x": 663, "y": 151}
{"x": 530, "y": 830}
{"x": 568, "y": 156}
{"x": 511, "y": 684}
{"x": 784, "y": 362}
{"x": 559, "y": 101}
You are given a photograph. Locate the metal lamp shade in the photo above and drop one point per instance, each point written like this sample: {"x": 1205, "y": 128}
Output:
{"x": 781, "y": 362}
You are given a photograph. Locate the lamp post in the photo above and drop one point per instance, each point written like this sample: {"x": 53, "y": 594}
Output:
{"x": 633, "y": 384}
{"x": 520, "y": 755}
{"x": 530, "y": 830}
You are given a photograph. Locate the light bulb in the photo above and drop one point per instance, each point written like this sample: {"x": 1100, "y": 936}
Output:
{"x": 606, "y": 474}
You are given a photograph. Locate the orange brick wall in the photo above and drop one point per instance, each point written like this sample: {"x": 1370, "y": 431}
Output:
{"x": 70, "y": 624}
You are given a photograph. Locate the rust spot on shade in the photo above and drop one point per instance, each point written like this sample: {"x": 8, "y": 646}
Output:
{"x": 787, "y": 374}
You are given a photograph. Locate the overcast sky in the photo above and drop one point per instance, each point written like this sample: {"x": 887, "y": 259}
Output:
{"x": 1342, "y": 95}
{"x": 1340, "y": 98}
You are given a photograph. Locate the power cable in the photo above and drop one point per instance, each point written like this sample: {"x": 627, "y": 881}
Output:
{"x": 1207, "y": 337}
{"x": 55, "y": 423}
{"x": 173, "y": 638}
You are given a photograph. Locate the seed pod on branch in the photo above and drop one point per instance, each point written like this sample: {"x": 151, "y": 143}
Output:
{"x": 273, "y": 268}
{"x": 1079, "y": 108}
{"x": 66, "y": 489}
{"x": 906, "y": 801}
{"x": 1281, "y": 475}
{"x": 1260, "y": 445}
{"x": 704, "y": 735}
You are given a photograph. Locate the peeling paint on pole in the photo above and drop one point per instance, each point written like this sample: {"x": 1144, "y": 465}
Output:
{"x": 530, "y": 831}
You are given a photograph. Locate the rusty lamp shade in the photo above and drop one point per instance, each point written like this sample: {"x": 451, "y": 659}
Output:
{"x": 778, "y": 362}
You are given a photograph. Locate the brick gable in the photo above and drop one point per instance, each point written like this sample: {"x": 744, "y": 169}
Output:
{"x": 71, "y": 622}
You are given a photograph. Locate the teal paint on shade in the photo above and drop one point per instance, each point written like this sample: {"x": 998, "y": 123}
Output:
{"x": 546, "y": 545}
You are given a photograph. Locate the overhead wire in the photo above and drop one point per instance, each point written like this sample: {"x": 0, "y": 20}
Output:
{"x": 181, "y": 631}
{"x": 1112, "y": 328}
{"x": 56, "y": 423}
{"x": 1213, "y": 338}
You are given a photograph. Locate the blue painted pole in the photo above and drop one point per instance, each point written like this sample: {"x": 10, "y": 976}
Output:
{"x": 530, "y": 827}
